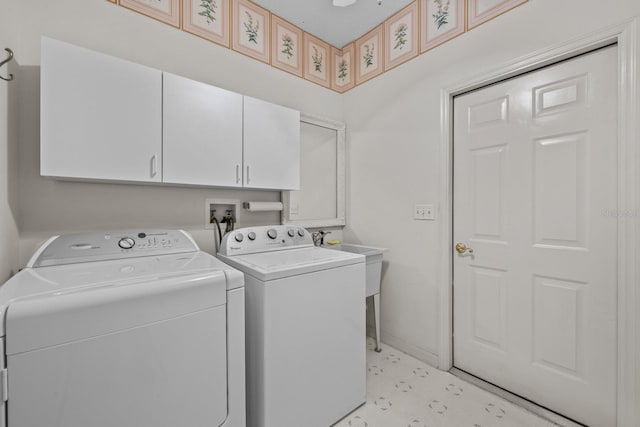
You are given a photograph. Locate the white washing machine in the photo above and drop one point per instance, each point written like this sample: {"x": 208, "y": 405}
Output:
{"x": 305, "y": 314}
{"x": 132, "y": 328}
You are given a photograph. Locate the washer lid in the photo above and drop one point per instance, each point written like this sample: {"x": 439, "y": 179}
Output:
{"x": 284, "y": 263}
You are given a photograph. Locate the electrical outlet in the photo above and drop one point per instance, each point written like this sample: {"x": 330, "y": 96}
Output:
{"x": 424, "y": 212}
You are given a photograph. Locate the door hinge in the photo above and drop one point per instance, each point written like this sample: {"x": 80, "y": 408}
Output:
{"x": 4, "y": 387}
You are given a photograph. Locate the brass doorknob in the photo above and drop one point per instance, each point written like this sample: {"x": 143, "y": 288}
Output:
{"x": 462, "y": 248}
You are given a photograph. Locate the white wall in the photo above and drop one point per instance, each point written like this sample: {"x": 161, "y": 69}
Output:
{"x": 394, "y": 155}
{"x": 48, "y": 206}
{"x": 8, "y": 159}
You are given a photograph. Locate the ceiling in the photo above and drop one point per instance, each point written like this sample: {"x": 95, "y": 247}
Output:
{"x": 335, "y": 25}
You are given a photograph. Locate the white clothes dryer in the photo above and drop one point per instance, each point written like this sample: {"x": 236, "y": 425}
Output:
{"x": 305, "y": 314}
{"x": 135, "y": 328}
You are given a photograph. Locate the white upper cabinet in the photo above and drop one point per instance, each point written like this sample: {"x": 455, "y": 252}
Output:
{"x": 202, "y": 133}
{"x": 101, "y": 117}
{"x": 271, "y": 146}
{"x": 104, "y": 118}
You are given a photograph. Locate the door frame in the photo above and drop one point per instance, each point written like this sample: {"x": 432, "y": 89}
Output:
{"x": 625, "y": 35}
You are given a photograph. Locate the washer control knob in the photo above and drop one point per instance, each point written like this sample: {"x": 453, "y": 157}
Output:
{"x": 239, "y": 237}
{"x": 126, "y": 243}
{"x": 251, "y": 235}
{"x": 301, "y": 232}
{"x": 291, "y": 233}
{"x": 272, "y": 233}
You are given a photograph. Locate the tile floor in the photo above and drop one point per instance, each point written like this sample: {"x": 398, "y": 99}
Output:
{"x": 405, "y": 392}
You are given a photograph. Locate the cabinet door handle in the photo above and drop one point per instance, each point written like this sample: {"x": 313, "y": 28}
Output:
{"x": 154, "y": 166}
{"x": 248, "y": 174}
{"x": 237, "y": 174}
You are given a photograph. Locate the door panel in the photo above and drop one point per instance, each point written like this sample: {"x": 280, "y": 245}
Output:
{"x": 535, "y": 161}
{"x": 558, "y": 311}
{"x": 489, "y": 308}
{"x": 560, "y": 195}
{"x": 488, "y": 169}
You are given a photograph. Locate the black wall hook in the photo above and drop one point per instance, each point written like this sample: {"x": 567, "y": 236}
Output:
{"x": 9, "y": 58}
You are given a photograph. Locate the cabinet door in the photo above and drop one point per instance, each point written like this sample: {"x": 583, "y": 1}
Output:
{"x": 100, "y": 116}
{"x": 202, "y": 133}
{"x": 271, "y": 146}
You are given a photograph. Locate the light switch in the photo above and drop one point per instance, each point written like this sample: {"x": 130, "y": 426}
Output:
{"x": 424, "y": 212}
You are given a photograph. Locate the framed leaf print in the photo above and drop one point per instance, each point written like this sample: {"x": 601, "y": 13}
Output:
{"x": 286, "y": 46}
{"x": 401, "y": 32}
{"x": 208, "y": 19}
{"x": 317, "y": 62}
{"x": 343, "y": 68}
{"x": 369, "y": 55}
{"x": 481, "y": 11}
{"x": 441, "y": 20}
{"x": 251, "y": 33}
{"x": 167, "y": 11}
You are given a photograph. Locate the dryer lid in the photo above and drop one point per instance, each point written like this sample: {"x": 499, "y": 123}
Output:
{"x": 66, "y": 314}
{"x": 73, "y": 284}
{"x": 108, "y": 245}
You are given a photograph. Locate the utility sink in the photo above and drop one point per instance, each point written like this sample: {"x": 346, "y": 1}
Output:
{"x": 373, "y": 257}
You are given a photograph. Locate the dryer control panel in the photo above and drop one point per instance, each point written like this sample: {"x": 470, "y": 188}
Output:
{"x": 87, "y": 247}
{"x": 264, "y": 239}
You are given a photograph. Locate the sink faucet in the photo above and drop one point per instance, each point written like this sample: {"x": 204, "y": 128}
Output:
{"x": 318, "y": 237}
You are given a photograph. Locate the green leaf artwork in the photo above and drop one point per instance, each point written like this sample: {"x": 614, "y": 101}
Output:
{"x": 208, "y": 10}
{"x": 343, "y": 70}
{"x": 287, "y": 45}
{"x": 400, "y": 36}
{"x": 317, "y": 60}
{"x": 441, "y": 16}
{"x": 251, "y": 29}
{"x": 368, "y": 55}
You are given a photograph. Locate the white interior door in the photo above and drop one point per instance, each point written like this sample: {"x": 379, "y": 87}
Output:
{"x": 535, "y": 164}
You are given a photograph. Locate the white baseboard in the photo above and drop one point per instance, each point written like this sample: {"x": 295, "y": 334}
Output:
{"x": 419, "y": 353}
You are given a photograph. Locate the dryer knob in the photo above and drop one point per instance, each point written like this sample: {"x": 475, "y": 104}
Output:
{"x": 251, "y": 235}
{"x": 126, "y": 243}
{"x": 272, "y": 233}
{"x": 239, "y": 237}
{"x": 300, "y": 232}
{"x": 291, "y": 233}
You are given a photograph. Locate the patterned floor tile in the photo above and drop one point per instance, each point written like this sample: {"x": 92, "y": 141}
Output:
{"x": 405, "y": 392}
